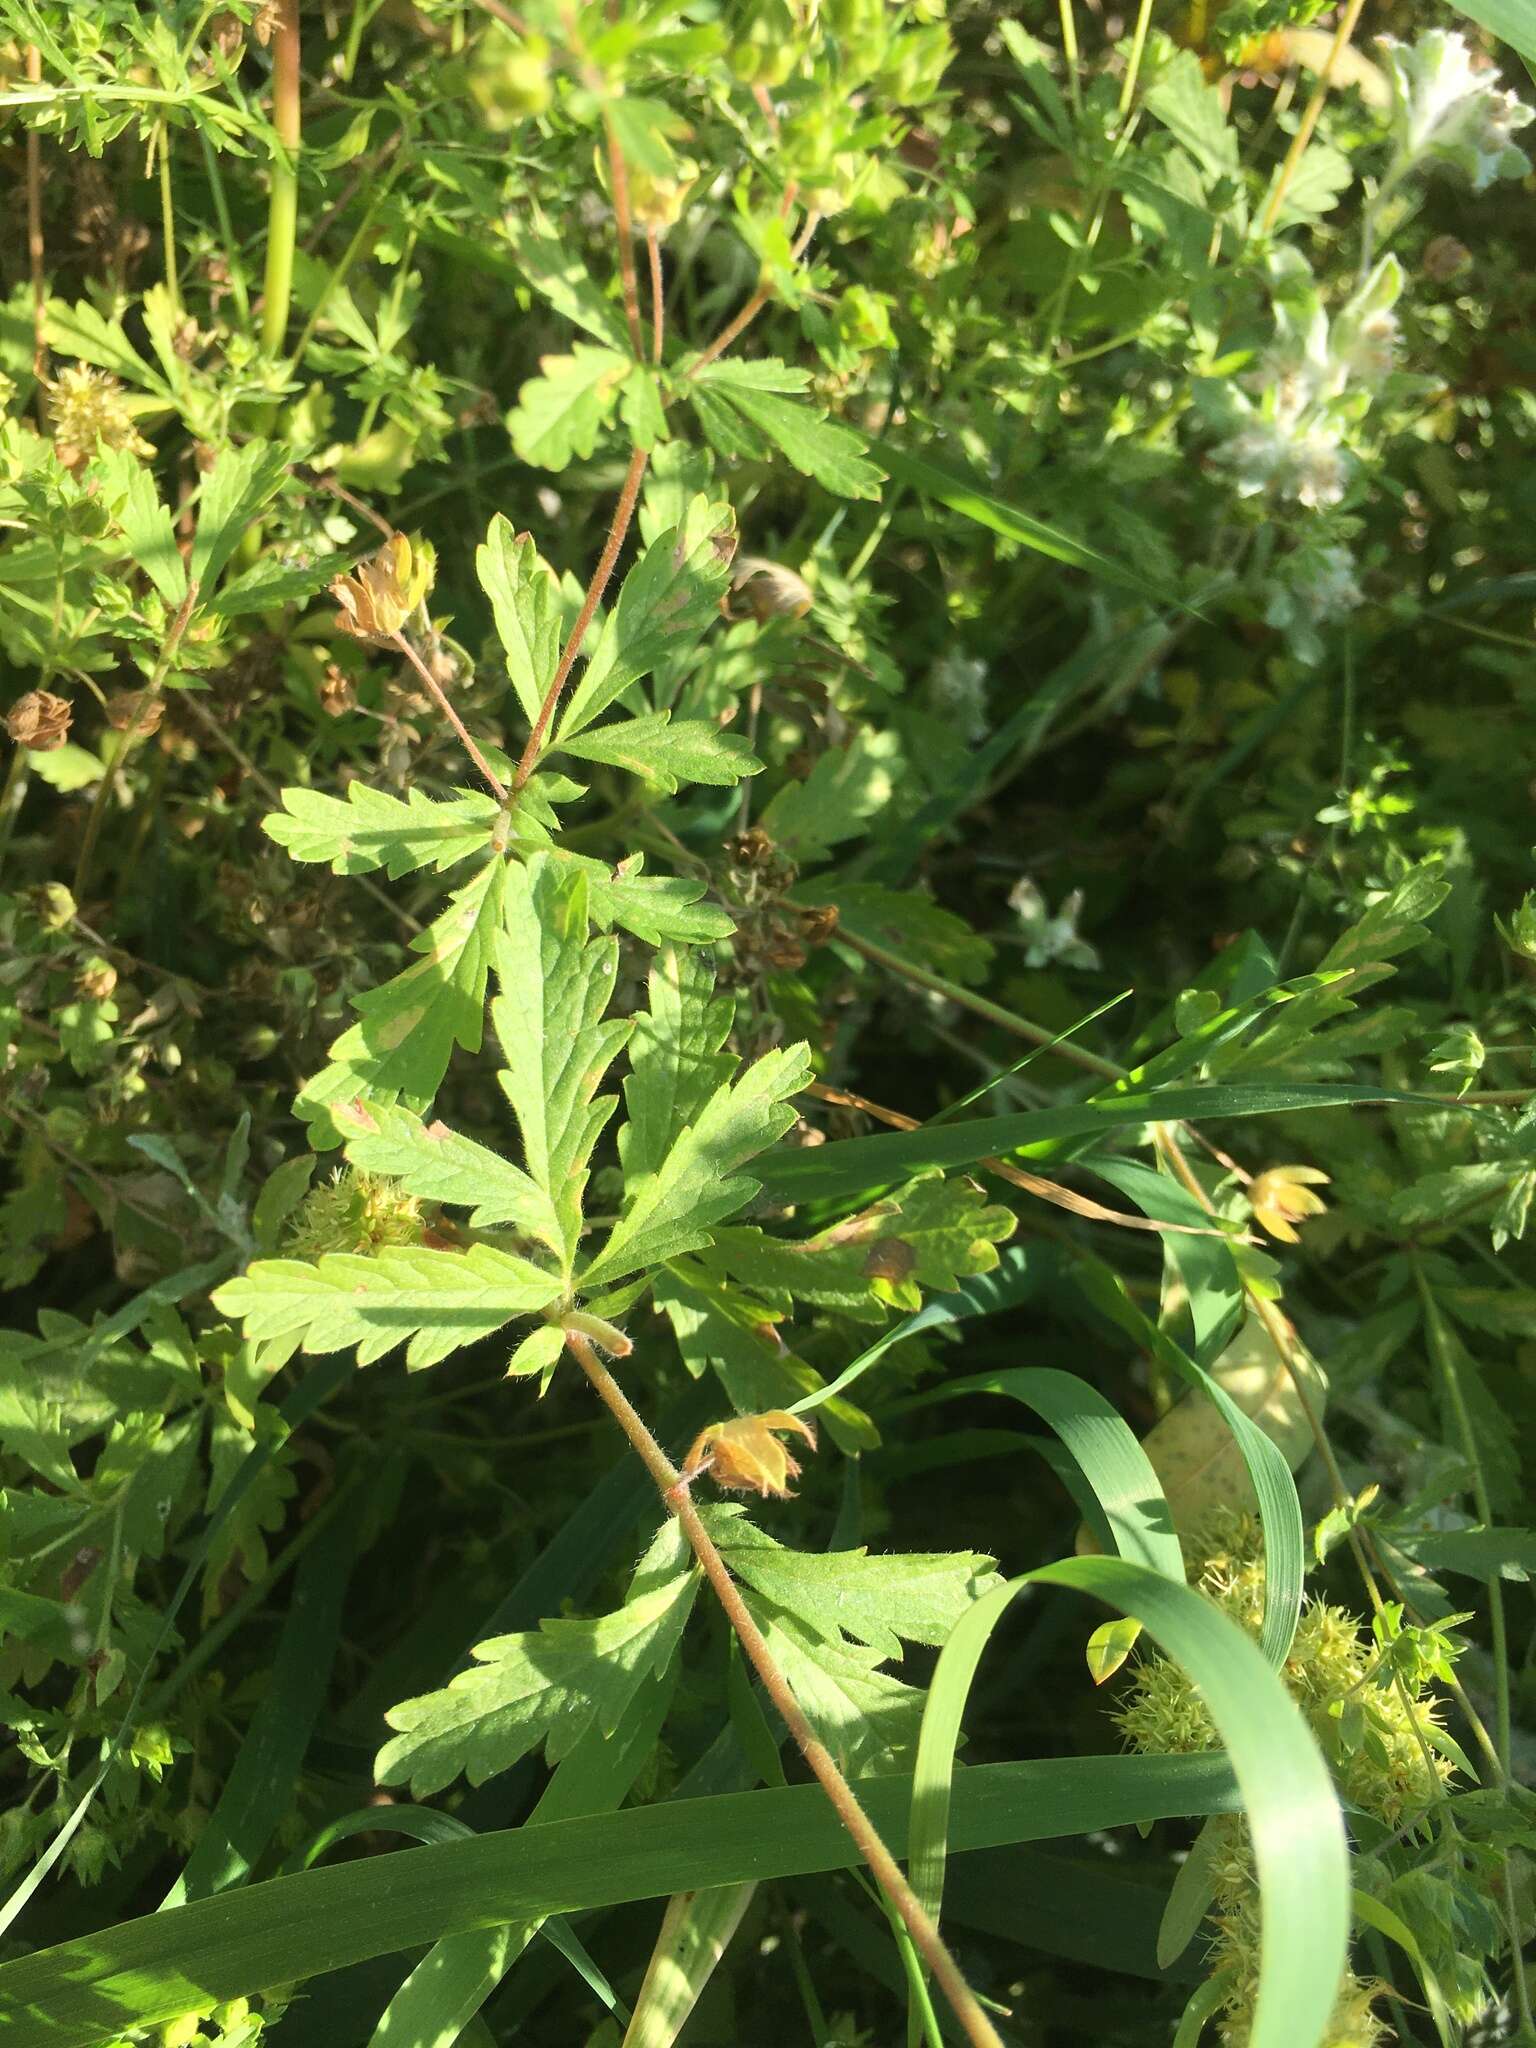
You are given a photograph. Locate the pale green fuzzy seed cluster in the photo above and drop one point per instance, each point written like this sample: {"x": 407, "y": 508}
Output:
{"x": 1390, "y": 1768}
{"x": 354, "y": 1211}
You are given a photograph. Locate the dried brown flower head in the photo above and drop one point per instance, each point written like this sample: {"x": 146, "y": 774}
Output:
{"x": 768, "y": 590}
{"x": 745, "y": 1456}
{"x": 38, "y": 721}
{"x": 135, "y": 711}
{"x": 380, "y": 595}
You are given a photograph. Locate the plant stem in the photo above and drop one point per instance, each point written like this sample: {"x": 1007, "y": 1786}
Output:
{"x": 728, "y": 333}
{"x": 1021, "y": 1027}
{"x": 1314, "y": 107}
{"x": 435, "y": 690}
{"x": 35, "y": 248}
{"x": 142, "y": 709}
{"x": 1138, "y": 51}
{"x": 618, "y": 177}
{"x": 168, "y": 220}
{"x": 618, "y": 527}
{"x": 658, "y": 295}
{"x": 283, "y": 201}
{"x": 887, "y": 1872}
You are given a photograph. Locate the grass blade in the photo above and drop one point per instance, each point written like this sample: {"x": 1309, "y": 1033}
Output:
{"x": 1293, "y": 1812}
{"x": 145, "y": 1971}
{"x": 851, "y": 1166}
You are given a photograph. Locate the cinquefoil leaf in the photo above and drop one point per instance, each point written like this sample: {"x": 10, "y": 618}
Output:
{"x": 546, "y": 1685}
{"x": 667, "y": 753}
{"x": 555, "y": 986}
{"x": 698, "y": 1182}
{"x": 399, "y": 1048}
{"x": 369, "y": 828}
{"x": 671, "y": 594}
{"x": 525, "y": 600}
{"x": 438, "y": 1165}
{"x": 434, "y": 1301}
{"x": 560, "y": 413}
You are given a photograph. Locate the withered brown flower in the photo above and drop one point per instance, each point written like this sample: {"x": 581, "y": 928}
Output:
{"x": 380, "y": 595}
{"x": 38, "y": 721}
{"x": 744, "y": 1456}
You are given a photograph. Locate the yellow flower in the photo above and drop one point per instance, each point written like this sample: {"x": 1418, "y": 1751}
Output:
{"x": 1283, "y": 1197}
{"x": 746, "y": 1457}
{"x": 382, "y": 593}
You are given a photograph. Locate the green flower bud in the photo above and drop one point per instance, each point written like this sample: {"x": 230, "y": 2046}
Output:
{"x": 509, "y": 78}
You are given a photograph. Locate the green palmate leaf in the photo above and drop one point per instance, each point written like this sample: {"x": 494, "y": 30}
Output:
{"x": 146, "y": 523}
{"x": 668, "y": 598}
{"x": 560, "y": 413}
{"x": 667, "y": 753}
{"x": 698, "y": 1182}
{"x": 641, "y": 408}
{"x": 80, "y": 331}
{"x": 548, "y": 1685}
{"x": 555, "y": 986}
{"x": 820, "y": 1272}
{"x": 272, "y": 582}
{"x": 369, "y": 828}
{"x": 1392, "y": 924}
{"x": 845, "y": 789}
{"x": 831, "y": 1595}
{"x": 241, "y": 482}
{"x": 929, "y": 1236}
{"x": 656, "y": 908}
{"x": 525, "y": 599}
{"x": 438, "y": 1165}
{"x": 1191, "y": 109}
{"x": 676, "y": 1061}
{"x": 867, "y": 1717}
{"x": 756, "y": 415}
{"x": 406, "y": 1031}
{"x": 437, "y": 1301}
{"x": 560, "y": 274}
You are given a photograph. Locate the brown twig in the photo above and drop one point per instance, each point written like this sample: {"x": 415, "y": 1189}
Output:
{"x": 887, "y": 1872}
{"x": 728, "y": 333}
{"x": 439, "y": 698}
{"x": 618, "y": 177}
{"x": 618, "y": 527}
{"x": 1314, "y": 107}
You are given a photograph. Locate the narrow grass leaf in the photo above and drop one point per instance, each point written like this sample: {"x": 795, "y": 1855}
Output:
{"x": 1293, "y": 1812}
{"x": 143, "y": 1972}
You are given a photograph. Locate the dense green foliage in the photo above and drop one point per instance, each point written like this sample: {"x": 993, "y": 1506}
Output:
{"x": 808, "y": 716}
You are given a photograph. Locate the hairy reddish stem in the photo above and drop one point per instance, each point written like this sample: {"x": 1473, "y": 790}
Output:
{"x": 618, "y": 527}
{"x": 887, "y": 1872}
{"x": 439, "y": 697}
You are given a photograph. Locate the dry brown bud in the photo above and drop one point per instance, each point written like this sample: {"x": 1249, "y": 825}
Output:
{"x": 96, "y": 980}
{"x": 38, "y": 721}
{"x": 135, "y": 711}
{"x": 768, "y": 590}
{"x": 337, "y": 695}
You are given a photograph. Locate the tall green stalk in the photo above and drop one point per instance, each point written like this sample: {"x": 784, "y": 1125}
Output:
{"x": 283, "y": 203}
